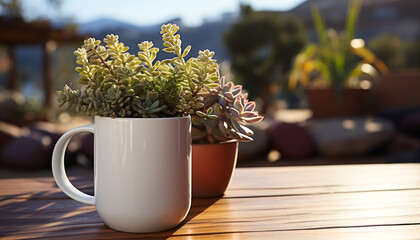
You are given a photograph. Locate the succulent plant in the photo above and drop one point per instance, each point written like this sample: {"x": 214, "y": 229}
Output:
{"x": 119, "y": 84}
{"x": 224, "y": 115}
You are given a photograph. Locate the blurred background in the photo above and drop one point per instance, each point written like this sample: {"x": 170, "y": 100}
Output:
{"x": 274, "y": 48}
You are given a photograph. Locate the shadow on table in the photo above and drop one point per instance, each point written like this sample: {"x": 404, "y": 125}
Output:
{"x": 53, "y": 214}
{"x": 34, "y": 214}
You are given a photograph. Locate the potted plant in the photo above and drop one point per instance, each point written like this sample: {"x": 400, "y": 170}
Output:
{"x": 332, "y": 70}
{"x": 142, "y": 128}
{"x": 216, "y": 131}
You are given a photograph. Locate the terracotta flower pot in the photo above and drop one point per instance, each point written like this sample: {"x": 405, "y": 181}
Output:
{"x": 324, "y": 102}
{"x": 212, "y": 168}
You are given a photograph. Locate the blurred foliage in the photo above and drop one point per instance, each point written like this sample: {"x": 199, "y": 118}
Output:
{"x": 337, "y": 58}
{"x": 15, "y": 8}
{"x": 261, "y": 45}
{"x": 11, "y": 8}
{"x": 30, "y": 106}
{"x": 396, "y": 53}
{"x": 412, "y": 54}
{"x": 63, "y": 66}
{"x": 14, "y": 106}
{"x": 389, "y": 49}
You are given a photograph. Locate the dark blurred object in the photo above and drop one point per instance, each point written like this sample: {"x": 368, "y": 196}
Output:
{"x": 405, "y": 146}
{"x": 397, "y": 114}
{"x": 261, "y": 46}
{"x": 32, "y": 147}
{"x": 87, "y": 146}
{"x": 50, "y": 130}
{"x": 410, "y": 156}
{"x": 46, "y": 128}
{"x": 291, "y": 140}
{"x": 410, "y": 124}
{"x": 355, "y": 136}
{"x": 27, "y": 151}
{"x": 7, "y": 133}
{"x": 403, "y": 142}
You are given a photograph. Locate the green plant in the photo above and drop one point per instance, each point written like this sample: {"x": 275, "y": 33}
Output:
{"x": 119, "y": 84}
{"x": 260, "y": 46}
{"x": 398, "y": 54}
{"x": 389, "y": 48}
{"x": 336, "y": 58}
{"x": 226, "y": 113}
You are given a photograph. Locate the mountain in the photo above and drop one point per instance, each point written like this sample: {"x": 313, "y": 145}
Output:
{"x": 377, "y": 17}
{"x": 100, "y": 25}
{"x": 207, "y": 36}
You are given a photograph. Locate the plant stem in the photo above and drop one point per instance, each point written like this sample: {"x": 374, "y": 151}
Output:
{"x": 105, "y": 64}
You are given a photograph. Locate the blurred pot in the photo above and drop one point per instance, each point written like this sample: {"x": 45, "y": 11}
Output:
{"x": 325, "y": 102}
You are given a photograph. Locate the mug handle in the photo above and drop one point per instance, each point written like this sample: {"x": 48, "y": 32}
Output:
{"x": 59, "y": 171}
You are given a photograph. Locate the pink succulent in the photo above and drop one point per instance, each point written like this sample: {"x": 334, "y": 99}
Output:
{"x": 233, "y": 111}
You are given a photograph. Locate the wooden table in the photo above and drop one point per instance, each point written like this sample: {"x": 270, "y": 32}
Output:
{"x": 316, "y": 202}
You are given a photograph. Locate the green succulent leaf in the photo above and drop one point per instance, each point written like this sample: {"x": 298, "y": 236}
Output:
{"x": 119, "y": 84}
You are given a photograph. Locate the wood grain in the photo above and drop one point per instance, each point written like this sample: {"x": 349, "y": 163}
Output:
{"x": 322, "y": 202}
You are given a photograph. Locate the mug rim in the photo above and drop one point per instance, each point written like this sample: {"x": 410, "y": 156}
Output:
{"x": 141, "y": 119}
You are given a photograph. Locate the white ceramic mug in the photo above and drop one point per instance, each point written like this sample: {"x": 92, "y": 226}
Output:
{"x": 142, "y": 170}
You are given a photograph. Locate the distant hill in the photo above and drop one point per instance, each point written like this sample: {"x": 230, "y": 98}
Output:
{"x": 377, "y": 17}
{"x": 99, "y": 25}
{"x": 207, "y": 36}
{"x": 399, "y": 17}
{"x": 104, "y": 24}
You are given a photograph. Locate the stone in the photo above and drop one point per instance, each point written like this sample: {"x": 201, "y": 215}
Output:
{"x": 291, "y": 140}
{"x": 33, "y": 146}
{"x": 74, "y": 147}
{"x": 247, "y": 150}
{"x": 7, "y": 133}
{"x": 340, "y": 137}
{"x": 48, "y": 129}
{"x": 28, "y": 151}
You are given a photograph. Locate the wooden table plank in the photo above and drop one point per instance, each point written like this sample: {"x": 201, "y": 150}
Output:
{"x": 273, "y": 181}
{"x": 371, "y": 233}
{"x": 341, "y": 202}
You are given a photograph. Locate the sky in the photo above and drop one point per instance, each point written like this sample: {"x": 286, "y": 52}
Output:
{"x": 147, "y": 12}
